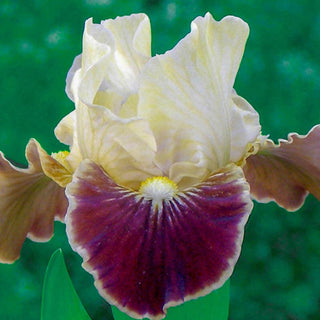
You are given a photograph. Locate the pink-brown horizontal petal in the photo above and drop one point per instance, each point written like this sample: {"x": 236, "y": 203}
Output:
{"x": 287, "y": 172}
{"x": 146, "y": 258}
{"x": 29, "y": 203}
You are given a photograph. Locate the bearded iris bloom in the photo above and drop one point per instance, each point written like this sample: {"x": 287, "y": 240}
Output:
{"x": 164, "y": 160}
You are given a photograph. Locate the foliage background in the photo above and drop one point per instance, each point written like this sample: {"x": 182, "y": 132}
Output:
{"x": 278, "y": 274}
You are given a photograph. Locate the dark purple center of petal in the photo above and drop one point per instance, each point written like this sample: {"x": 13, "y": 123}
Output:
{"x": 145, "y": 257}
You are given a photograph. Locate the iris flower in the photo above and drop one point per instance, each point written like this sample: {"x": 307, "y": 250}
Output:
{"x": 164, "y": 160}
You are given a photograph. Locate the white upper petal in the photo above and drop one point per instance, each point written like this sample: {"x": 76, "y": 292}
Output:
{"x": 114, "y": 52}
{"x": 105, "y": 75}
{"x": 187, "y": 97}
{"x": 124, "y": 148}
{"x": 245, "y": 126}
{"x": 66, "y": 133}
{"x": 175, "y": 114}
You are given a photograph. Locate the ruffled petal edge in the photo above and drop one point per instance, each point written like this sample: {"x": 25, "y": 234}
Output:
{"x": 30, "y": 202}
{"x": 147, "y": 258}
{"x": 286, "y": 172}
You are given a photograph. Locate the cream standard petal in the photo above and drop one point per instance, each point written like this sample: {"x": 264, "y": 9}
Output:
{"x": 186, "y": 95}
{"x": 128, "y": 38}
{"x": 124, "y": 148}
{"x": 76, "y": 65}
{"x": 244, "y": 127}
{"x": 66, "y": 133}
{"x": 113, "y": 54}
{"x": 132, "y": 37}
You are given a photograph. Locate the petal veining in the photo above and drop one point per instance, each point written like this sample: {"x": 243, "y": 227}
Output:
{"x": 164, "y": 255}
{"x": 59, "y": 172}
{"x": 30, "y": 202}
{"x": 287, "y": 172}
{"x": 125, "y": 148}
{"x": 187, "y": 96}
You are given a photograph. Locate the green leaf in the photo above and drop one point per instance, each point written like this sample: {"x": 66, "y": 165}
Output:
{"x": 59, "y": 298}
{"x": 214, "y": 306}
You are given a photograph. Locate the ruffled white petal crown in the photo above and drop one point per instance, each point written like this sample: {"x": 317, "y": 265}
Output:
{"x": 175, "y": 114}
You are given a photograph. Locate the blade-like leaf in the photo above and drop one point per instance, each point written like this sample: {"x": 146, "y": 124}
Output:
{"x": 59, "y": 298}
{"x": 214, "y": 306}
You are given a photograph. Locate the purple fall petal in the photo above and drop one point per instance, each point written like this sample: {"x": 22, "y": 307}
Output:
{"x": 286, "y": 172}
{"x": 145, "y": 259}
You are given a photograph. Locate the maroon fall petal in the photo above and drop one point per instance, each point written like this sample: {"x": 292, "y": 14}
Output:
{"x": 287, "y": 172}
{"x": 146, "y": 258}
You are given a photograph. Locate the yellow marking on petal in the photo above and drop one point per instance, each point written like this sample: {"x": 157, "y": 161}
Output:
{"x": 56, "y": 167}
{"x": 61, "y": 157}
{"x": 158, "y": 189}
{"x": 251, "y": 149}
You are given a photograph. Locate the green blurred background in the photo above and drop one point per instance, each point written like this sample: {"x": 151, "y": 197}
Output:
{"x": 278, "y": 274}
